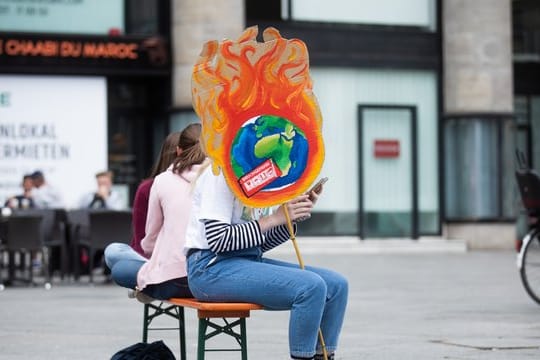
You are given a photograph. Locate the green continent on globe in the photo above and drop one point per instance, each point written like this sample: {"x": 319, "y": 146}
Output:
{"x": 278, "y": 144}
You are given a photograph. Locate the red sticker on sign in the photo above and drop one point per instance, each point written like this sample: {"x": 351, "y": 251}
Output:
{"x": 259, "y": 177}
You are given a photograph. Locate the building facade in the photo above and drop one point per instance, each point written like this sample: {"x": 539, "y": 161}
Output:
{"x": 430, "y": 80}
{"x": 417, "y": 99}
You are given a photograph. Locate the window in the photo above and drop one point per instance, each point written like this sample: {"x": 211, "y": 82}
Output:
{"x": 96, "y": 17}
{"x": 143, "y": 16}
{"x": 417, "y": 13}
{"x": 479, "y": 155}
{"x": 526, "y": 30}
{"x": 73, "y": 16}
{"x": 339, "y": 91}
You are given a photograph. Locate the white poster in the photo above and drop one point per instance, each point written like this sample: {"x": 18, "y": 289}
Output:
{"x": 55, "y": 124}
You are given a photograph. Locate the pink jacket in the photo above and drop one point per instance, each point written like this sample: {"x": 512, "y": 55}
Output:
{"x": 169, "y": 209}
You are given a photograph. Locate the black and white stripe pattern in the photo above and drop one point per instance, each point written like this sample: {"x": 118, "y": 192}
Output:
{"x": 276, "y": 236}
{"x": 224, "y": 237}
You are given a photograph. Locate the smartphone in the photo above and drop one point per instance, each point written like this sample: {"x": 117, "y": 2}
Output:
{"x": 317, "y": 188}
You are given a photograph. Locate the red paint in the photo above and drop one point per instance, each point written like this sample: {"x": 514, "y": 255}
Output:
{"x": 259, "y": 177}
{"x": 386, "y": 148}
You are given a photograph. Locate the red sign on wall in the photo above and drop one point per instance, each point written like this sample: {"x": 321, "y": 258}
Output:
{"x": 386, "y": 148}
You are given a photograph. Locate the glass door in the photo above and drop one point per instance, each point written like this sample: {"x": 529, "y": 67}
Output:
{"x": 388, "y": 172}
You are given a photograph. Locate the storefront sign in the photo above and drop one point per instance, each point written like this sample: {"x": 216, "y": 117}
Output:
{"x": 75, "y": 54}
{"x": 74, "y": 49}
{"x": 386, "y": 148}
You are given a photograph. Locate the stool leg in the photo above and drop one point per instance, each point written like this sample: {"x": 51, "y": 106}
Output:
{"x": 243, "y": 338}
{"x": 182, "y": 332}
{"x": 145, "y": 324}
{"x": 202, "y": 341}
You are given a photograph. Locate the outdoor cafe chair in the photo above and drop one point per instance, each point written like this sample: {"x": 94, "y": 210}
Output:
{"x": 94, "y": 229}
{"x": 23, "y": 234}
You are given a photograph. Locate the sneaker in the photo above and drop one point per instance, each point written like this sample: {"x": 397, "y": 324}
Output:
{"x": 321, "y": 357}
{"x": 140, "y": 296}
{"x": 131, "y": 294}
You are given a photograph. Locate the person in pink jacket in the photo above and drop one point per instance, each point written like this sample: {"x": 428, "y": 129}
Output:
{"x": 166, "y": 157}
{"x": 163, "y": 275}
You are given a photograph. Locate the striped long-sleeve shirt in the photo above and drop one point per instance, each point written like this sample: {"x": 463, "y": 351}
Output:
{"x": 224, "y": 237}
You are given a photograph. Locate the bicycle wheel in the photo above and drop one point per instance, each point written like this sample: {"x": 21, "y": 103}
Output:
{"x": 530, "y": 270}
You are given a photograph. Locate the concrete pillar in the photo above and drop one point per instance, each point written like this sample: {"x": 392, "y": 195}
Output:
{"x": 478, "y": 84}
{"x": 193, "y": 23}
{"x": 477, "y": 52}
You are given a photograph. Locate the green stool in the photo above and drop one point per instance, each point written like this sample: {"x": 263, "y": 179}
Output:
{"x": 152, "y": 311}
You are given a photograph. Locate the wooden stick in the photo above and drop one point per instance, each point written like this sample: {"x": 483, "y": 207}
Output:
{"x": 302, "y": 266}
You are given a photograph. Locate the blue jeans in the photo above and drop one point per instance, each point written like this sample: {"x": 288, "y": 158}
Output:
{"x": 316, "y": 297}
{"x": 125, "y": 263}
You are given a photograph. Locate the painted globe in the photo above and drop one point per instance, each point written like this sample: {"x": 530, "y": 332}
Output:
{"x": 270, "y": 137}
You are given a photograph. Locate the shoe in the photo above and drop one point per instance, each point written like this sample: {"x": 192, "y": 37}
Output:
{"x": 131, "y": 294}
{"x": 140, "y": 296}
{"x": 321, "y": 357}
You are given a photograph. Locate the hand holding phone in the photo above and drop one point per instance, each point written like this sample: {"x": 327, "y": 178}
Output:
{"x": 317, "y": 188}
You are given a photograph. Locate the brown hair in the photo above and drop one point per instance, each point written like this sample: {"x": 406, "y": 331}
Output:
{"x": 105, "y": 173}
{"x": 192, "y": 152}
{"x": 167, "y": 154}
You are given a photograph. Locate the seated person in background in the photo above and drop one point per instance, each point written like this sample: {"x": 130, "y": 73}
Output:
{"x": 163, "y": 275}
{"x": 166, "y": 156}
{"x": 25, "y": 200}
{"x": 104, "y": 197}
{"x": 45, "y": 195}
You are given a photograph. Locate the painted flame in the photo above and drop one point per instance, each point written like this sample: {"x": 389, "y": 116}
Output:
{"x": 234, "y": 81}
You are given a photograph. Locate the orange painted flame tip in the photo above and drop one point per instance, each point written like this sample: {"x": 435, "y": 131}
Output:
{"x": 250, "y": 34}
{"x": 209, "y": 50}
{"x": 270, "y": 34}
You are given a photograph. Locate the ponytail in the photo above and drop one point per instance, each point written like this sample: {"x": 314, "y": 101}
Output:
{"x": 192, "y": 151}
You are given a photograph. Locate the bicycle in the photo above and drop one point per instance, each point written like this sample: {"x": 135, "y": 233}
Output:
{"x": 528, "y": 259}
